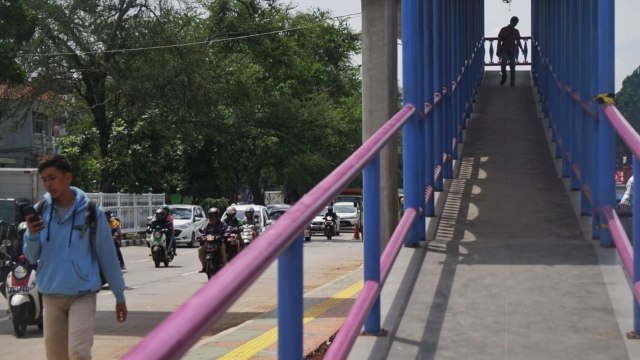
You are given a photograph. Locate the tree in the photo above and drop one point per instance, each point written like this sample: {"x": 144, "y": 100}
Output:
{"x": 17, "y": 25}
{"x": 628, "y": 102}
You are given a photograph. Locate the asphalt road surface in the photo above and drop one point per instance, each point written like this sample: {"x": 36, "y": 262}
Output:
{"x": 154, "y": 293}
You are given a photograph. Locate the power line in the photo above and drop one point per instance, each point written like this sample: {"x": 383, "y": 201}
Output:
{"x": 185, "y": 44}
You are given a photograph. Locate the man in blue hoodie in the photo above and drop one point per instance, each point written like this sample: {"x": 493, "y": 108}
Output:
{"x": 68, "y": 270}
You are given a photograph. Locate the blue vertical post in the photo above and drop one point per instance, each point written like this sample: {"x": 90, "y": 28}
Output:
{"x": 438, "y": 83}
{"x": 429, "y": 163}
{"x": 411, "y": 131}
{"x": 290, "y": 307}
{"x": 572, "y": 62}
{"x": 371, "y": 183}
{"x": 595, "y": 142}
{"x": 447, "y": 65}
{"x": 583, "y": 119}
{"x": 606, "y": 79}
{"x": 636, "y": 246}
{"x": 422, "y": 144}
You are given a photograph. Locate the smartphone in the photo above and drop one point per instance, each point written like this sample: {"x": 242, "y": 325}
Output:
{"x": 30, "y": 210}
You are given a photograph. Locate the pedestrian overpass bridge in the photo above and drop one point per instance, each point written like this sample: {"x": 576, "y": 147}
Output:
{"x": 508, "y": 247}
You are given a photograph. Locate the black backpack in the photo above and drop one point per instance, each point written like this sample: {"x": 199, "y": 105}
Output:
{"x": 91, "y": 220}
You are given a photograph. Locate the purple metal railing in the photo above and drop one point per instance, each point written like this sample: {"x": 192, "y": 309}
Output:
{"x": 350, "y": 329}
{"x": 180, "y": 330}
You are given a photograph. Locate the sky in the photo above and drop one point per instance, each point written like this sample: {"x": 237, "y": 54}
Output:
{"x": 497, "y": 15}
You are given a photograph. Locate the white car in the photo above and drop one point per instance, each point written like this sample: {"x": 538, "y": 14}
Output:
{"x": 348, "y": 213}
{"x": 187, "y": 219}
{"x": 259, "y": 213}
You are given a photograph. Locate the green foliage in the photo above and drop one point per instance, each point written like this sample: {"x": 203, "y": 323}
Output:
{"x": 271, "y": 100}
{"x": 17, "y": 25}
{"x": 220, "y": 203}
{"x": 628, "y": 102}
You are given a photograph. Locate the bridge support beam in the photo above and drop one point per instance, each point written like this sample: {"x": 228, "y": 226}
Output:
{"x": 379, "y": 96}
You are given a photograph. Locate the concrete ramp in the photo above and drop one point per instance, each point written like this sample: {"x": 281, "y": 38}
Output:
{"x": 509, "y": 274}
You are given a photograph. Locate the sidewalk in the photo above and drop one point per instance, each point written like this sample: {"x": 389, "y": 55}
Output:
{"x": 324, "y": 312}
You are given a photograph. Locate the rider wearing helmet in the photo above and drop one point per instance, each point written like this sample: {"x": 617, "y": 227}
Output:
{"x": 116, "y": 235}
{"x": 235, "y": 227}
{"x": 167, "y": 213}
{"x": 167, "y": 227}
{"x": 216, "y": 227}
{"x": 333, "y": 215}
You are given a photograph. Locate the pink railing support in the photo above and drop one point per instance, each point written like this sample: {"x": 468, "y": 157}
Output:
{"x": 180, "y": 330}
{"x": 350, "y": 329}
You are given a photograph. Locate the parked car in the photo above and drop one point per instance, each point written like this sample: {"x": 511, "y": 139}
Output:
{"x": 260, "y": 213}
{"x": 187, "y": 219}
{"x": 348, "y": 213}
{"x": 317, "y": 224}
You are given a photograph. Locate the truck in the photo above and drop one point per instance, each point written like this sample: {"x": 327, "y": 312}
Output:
{"x": 18, "y": 187}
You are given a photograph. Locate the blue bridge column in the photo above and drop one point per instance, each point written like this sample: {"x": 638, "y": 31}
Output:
{"x": 412, "y": 94}
{"x": 606, "y": 134}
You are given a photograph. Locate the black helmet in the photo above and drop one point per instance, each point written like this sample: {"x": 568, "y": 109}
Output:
{"x": 108, "y": 214}
{"x": 213, "y": 211}
{"x": 160, "y": 214}
{"x": 231, "y": 211}
{"x": 249, "y": 210}
{"x": 514, "y": 20}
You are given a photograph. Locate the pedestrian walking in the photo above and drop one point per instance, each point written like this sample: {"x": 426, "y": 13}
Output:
{"x": 508, "y": 44}
{"x": 70, "y": 239}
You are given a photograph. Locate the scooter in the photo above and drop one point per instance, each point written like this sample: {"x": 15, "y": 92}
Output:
{"x": 23, "y": 297}
{"x": 158, "y": 245}
{"x": 329, "y": 227}
{"x": 212, "y": 248}
{"x": 248, "y": 234}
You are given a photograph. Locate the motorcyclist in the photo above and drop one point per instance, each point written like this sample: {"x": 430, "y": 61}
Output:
{"x": 167, "y": 212}
{"x": 215, "y": 227}
{"x": 235, "y": 227}
{"x": 160, "y": 220}
{"x": 334, "y": 216}
{"x": 116, "y": 235}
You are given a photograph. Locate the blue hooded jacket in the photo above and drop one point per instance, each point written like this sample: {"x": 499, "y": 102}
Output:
{"x": 66, "y": 265}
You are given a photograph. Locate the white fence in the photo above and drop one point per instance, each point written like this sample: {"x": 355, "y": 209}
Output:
{"x": 132, "y": 209}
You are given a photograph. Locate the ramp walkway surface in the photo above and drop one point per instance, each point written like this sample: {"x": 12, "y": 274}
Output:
{"x": 510, "y": 273}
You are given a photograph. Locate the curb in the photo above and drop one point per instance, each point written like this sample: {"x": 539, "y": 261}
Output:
{"x": 132, "y": 242}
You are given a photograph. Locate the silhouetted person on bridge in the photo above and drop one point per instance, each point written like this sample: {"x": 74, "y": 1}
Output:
{"x": 508, "y": 44}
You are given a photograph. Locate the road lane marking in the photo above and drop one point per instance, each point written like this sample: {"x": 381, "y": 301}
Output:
{"x": 257, "y": 344}
{"x": 190, "y": 273}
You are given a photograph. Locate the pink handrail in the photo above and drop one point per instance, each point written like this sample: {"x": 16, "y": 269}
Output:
{"x": 181, "y": 329}
{"x": 350, "y": 329}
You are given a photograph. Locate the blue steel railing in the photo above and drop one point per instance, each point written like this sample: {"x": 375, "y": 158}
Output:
{"x": 577, "y": 64}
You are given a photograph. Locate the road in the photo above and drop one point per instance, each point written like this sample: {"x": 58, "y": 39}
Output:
{"x": 153, "y": 293}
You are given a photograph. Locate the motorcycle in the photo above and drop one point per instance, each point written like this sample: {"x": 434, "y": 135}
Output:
{"x": 248, "y": 234}
{"x": 21, "y": 291}
{"x": 157, "y": 243}
{"x": 233, "y": 244}
{"x": 329, "y": 227}
{"x": 212, "y": 248}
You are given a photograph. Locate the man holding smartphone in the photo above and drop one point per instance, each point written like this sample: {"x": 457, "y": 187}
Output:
{"x": 68, "y": 271}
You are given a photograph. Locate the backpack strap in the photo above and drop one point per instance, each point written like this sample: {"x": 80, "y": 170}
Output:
{"x": 92, "y": 221}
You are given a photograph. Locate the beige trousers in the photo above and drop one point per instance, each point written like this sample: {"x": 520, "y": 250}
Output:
{"x": 68, "y": 326}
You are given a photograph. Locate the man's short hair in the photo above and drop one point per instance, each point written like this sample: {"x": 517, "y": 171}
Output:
{"x": 56, "y": 161}
{"x": 514, "y": 20}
